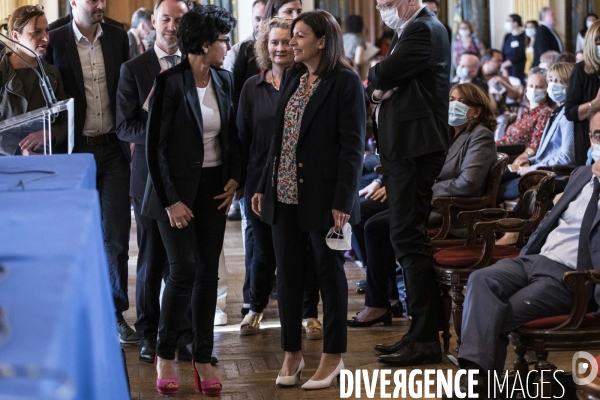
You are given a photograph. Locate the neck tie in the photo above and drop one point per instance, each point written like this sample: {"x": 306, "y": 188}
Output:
{"x": 171, "y": 60}
{"x": 584, "y": 256}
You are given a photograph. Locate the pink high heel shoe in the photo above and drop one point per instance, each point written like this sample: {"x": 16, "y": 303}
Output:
{"x": 205, "y": 386}
{"x": 168, "y": 385}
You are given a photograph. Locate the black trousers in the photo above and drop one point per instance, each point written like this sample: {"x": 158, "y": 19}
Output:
{"x": 263, "y": 269}
{"x": 293, "y": 261}
{"x": 193, "y": 254}
{"x": 381, "y": 271}
{"x": 152, "y": 268}
{"x": 368, "y": 208}
{"x": 248, "y": 251}
{"x": 409, "y": 193}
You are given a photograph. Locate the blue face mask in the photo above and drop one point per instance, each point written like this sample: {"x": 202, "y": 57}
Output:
{"x": 596, "y": 151}
{"x": 462, "y": 73}
{"x": 457, "y": 113}
{"x": 557, "y": 92}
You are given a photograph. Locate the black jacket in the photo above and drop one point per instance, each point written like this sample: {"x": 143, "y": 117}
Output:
{"x": 413, "y": 122}
{"x": 583, "y": 88}
{"x": 329, "y": 152}
{"x": 174, "y": 145}
{"x": 62, "y": 53}
{"x": 544, "y": 41}
{"x": 135, "y": 84}
{"x": 62, "y": 21}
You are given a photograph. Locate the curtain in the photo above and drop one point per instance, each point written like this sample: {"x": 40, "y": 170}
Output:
{"x": 477, "y": 12}
{"x": 340, "y": 9}
{"x": 579, "y": 9}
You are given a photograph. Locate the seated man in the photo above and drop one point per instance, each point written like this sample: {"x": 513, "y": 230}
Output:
{"x": 512, "y": 292}
{"x": 468, "y": 71}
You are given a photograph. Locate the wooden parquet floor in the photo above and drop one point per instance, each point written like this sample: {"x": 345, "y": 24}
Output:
{"x": 248, "y": 366}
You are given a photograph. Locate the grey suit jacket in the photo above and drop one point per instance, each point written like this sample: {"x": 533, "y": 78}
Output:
{"x": 468, "y": 162}
{"x": 134, "y": 50}
{"x": 580, "y": 177}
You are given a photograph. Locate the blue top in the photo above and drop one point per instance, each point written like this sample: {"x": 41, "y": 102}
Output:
{"x": 557, "y": 146}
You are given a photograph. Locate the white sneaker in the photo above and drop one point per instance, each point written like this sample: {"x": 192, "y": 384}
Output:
{"x": 220, "y": 317}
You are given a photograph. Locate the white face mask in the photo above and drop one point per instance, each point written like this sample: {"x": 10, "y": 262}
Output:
{"x": 596, "y": 151}
{"x": 508, "y": 26}
{"x": 391, "y": 19}
{"x": 457, "y": 113}
{"x": 589, "y": 24}
{"x": 464, "y": 33}
{"x": 557, "y": 92}
{"x": 462, "y": 73}
{"x": 530, "y": 32}
{"x": 535, "y": 96}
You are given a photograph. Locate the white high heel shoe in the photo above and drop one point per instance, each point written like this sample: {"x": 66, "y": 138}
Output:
{"x": 293, "y": 379}
{"x": 325, "y": 383}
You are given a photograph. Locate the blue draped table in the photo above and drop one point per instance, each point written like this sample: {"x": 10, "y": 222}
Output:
{"x": 56, "y": 308}
{"x": 74, "y": 171}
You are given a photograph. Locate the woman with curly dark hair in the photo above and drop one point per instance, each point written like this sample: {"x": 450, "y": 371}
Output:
{"x": 195, "y": 166}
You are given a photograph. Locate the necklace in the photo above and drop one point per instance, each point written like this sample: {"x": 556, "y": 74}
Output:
{"x": 273, "y": 81}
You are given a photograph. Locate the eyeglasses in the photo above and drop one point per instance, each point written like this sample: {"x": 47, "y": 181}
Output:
{"x": 225, "y": 41}
{"x": 37, "y": 7}
{"x": 386, "y": 6}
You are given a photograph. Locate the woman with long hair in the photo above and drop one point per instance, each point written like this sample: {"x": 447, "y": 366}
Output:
{"x": 310, "y": 185}
{"x": 283, "y": 9}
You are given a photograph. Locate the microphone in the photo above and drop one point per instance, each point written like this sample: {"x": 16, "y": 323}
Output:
{"x": 45, "y": 84}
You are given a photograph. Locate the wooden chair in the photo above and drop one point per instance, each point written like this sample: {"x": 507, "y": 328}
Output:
{"x": 454, "y": 265}
{"x": 447, "y": 206}
{"x": 577, "y": 331}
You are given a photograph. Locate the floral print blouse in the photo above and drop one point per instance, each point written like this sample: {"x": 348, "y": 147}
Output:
{"x": 287, "y": 184}
{"x": 528, "y": 129}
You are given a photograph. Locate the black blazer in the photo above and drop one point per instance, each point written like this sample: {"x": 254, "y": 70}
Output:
{"x": 135, "y": 84}
{"x": 544, "y": 41}
{"x": 329, "y": 152}
{"x": 62, "y": 21}
{"x": 62, "y": 53}
{"x": 174, "y": 146}
{"x": 413, "y": 122}
{"x": 583, "y": 88}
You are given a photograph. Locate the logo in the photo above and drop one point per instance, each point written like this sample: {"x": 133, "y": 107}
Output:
{"x": 580, "y": 367}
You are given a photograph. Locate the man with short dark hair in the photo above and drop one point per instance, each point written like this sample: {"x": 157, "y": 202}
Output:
{"x": 546, "y": 37}
{"x": 141, "y": 26}
{"x": 135, "y": 85}
{"x": 89, "y": 54}
{"x": 69, "y": 17}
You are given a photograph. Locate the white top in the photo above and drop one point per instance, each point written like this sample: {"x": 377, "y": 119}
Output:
{"x": 98, "y": 117}
{"x": 232, "y": 54}
{"x": 211, "y": 124}
{"x": 164, "y": 64}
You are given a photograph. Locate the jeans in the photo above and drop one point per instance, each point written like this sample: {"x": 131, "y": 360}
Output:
{"x": 193, "y": 254}
{"x": 112, "y": 181}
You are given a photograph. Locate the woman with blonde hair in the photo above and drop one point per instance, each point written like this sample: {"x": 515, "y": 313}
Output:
{"x": 28, "y": 26}
{"x": 583, "y": 98}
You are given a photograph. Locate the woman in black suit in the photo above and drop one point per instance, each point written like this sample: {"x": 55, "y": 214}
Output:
{"x": 310, "y": 184}
{"x": 195, "y": 165}
{"x": 583, "y": 97}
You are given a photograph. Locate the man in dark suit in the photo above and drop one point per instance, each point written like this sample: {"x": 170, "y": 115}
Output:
{"x": 141, "y": 26}
{"x": 62, "y": 21}
{"x": 546, "y": 37}
{"x": 411, "y": 86}
{"x": 434, "y": 7}
{"x": 512, "y": 292}
{"x": 89, "y": 55}
{"x": 135, "y": 85}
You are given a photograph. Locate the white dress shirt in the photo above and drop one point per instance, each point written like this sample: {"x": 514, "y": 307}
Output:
{"x": 211, "y": 125}
{"x": 562, "y": 244}
{"x": 164, "y": 64}
{"x": 232, "y": 54}
{"x": 98, "y": 117}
